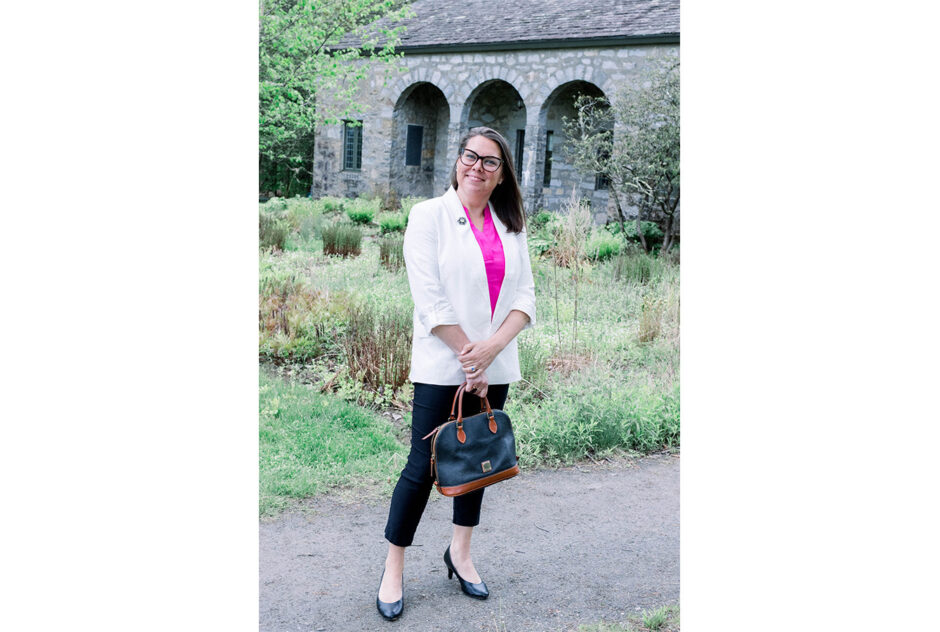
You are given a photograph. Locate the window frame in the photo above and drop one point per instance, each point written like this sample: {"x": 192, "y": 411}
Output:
{"x": 549, "y": 148}
{"x": 520, "y": 147}
{"x": 409, "y": 146}
{"x": 352, "y": 154}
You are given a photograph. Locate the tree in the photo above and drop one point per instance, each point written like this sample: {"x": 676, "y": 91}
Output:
{"x": 634, "y": 143}
{"x": 309, "y": 49}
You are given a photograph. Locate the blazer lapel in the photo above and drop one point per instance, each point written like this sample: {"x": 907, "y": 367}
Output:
{"x": 469, "y": 249}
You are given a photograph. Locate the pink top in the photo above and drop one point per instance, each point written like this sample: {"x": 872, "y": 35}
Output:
{"x": 493, "y": 257}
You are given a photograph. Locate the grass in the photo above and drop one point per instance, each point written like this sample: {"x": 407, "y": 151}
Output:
{"x": 342, "y": 239}
{"x": 600, "y": 368}
{"x": 273, "y": 228}
{"x": 310, "y": 443}
{"x": 391, "y": 252}
{"x": 602, "y": 245}
{"x": 392, "y": 222}
{"x": 664, "y": 619}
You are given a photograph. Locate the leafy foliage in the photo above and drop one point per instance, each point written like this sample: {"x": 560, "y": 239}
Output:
{"x": 640, "y": 158}
{"x": 600, "y": 372}
{"x": 651, "y": 232}
{"x": 300, "y": 60}
{"x": 331, "y": 204}
{"x": 584, "y": 416}
{"x": 539, "y": 220}
{"x": 363, "y": 210}
{"x": 392, "y": 222}
{"x": 602, "y": 245}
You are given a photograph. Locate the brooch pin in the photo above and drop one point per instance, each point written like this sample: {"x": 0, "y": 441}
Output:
{"x": 462, "y": 221}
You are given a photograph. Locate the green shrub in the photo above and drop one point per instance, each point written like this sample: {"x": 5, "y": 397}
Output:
{"x": 392, "y": 222}
{"x": 360, "y": 216}
{"x": 651, "y": 231}
{"x": 342, "y": 239}
{"x": 586, "y": 417}
{"x": 273, "y": 227}
{"x": 544, "y": 238}
{"x": 539, "y": 220}
{"x": 540, "y": 244}
{"x": 391, "y": 252}
{"x": 363, "y": 210}
{"x": 332, "y": 204}
{"x": 602, "y": 245}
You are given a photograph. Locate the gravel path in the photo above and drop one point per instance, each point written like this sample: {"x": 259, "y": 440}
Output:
{"x": 556, "y": 549}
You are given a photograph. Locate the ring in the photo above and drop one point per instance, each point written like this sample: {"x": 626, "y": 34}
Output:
{"x": 473, "y": 369}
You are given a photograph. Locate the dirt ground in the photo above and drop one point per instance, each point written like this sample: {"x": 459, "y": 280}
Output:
{"x": 556, "y": 548}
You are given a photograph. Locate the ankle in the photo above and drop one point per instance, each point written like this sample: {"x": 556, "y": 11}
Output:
{"x": 459, "y": 552}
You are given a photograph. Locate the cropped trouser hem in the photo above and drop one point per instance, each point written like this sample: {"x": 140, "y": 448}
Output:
{"x": 431, "y": 407}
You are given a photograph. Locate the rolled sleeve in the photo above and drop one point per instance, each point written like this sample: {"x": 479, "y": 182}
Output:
{"x": 525, "y": 292}
{"x": 432, "y": 306}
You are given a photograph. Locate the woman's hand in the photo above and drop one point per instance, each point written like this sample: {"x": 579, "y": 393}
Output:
{"x": 476, "y": 357}
{"x": 478, "y": 384}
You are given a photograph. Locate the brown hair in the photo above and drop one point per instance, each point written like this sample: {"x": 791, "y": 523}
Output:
{"x": 506, "y": 197}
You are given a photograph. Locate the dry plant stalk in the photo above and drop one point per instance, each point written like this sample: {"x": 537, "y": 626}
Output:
{"x": 569, "y": 251}
{"x": 651, "y": 318}
{"x": 378, "y": 349}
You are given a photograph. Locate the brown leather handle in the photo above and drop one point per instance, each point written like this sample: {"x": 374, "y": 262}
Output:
{"x": 457, "y": 408}
{"x": 458, "y": 403}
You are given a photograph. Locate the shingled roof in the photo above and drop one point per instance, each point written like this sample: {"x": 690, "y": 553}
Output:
{"x": 467, "y": 24}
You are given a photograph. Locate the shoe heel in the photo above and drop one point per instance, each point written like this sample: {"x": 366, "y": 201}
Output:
{"x": 450, "y": 574}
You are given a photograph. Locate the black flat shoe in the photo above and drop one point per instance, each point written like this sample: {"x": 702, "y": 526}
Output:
{"x": 390, "y": 611}
{"x": 477, "y": 591}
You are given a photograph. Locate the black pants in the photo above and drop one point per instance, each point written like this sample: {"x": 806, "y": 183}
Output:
{"x": 432, "y": 404}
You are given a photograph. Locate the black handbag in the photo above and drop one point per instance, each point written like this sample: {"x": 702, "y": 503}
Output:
{"x": 468, "y": 454}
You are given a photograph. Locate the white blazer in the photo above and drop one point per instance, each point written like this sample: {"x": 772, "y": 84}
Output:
{"x": 448, "y": 283}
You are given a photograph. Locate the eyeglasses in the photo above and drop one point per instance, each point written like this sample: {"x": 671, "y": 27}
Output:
{"x": 490, "y": 163}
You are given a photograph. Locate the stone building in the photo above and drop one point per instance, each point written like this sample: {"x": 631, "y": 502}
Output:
{"x": 514, "y": 66}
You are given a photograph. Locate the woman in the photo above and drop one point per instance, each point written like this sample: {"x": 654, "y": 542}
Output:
{"x": 471, "y": 281}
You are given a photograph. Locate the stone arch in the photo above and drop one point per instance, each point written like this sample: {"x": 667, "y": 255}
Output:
{"x": 496, "y": 103}
{"x": 545, "y": 91}
{"x": 559, "y": 178}
{"x": 423, "y": 74}
{"x": 423, "y": 107}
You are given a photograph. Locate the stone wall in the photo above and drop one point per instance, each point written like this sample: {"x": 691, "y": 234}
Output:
{"x": 426, "y": 107}
{"x": 448, "y": 93}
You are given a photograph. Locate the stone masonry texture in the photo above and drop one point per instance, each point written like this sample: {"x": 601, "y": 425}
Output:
{"x": 524, "y": 93}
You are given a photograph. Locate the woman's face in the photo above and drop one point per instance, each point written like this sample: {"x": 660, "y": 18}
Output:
{"x": 476, "y": 180}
